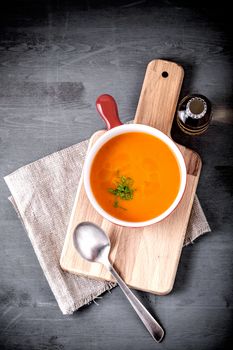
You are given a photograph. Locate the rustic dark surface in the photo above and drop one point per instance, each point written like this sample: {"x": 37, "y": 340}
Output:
{"x": 55, "y": 59}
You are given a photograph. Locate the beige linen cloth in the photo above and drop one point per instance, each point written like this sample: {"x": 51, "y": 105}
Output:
{"x": 43, "y": 193}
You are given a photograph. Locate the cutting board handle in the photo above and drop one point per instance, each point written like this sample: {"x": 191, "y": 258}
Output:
{"x": 159, "y": 95}
{"x": 107, "y": 108}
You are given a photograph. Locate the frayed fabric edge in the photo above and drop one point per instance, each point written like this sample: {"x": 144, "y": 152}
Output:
{"x": 90, "y": 299}
{"x": 198, "y": 234}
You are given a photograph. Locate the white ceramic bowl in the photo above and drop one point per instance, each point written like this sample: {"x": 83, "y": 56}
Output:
{"x": 122, "y": 129}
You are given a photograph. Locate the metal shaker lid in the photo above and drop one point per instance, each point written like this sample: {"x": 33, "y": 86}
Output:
{"x": 196, "y": 108}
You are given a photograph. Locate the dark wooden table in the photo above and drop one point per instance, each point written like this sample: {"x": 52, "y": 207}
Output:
{"x": 55, "y": 59}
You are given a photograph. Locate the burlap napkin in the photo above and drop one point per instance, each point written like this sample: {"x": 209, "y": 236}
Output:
{"x": 43, "y": 194}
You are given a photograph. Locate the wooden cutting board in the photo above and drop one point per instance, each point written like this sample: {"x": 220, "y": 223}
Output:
{"x": 147, "y": 258}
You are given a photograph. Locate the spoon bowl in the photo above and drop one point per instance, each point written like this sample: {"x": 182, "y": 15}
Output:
{"x": 91, "y": 242}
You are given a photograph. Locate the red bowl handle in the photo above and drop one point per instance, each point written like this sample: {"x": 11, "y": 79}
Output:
{"x": 107, "y": 108}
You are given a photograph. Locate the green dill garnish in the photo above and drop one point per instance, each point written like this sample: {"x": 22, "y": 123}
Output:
{"x": 123, "y": 190}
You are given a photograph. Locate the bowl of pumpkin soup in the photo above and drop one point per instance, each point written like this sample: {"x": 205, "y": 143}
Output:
{"x": 134, "y": 175}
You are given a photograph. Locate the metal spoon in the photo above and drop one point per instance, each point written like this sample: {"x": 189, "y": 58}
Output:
{"x": 93, "y": 244}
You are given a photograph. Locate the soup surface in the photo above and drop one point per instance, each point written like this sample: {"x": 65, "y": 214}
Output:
{"x": 135, "y": 177}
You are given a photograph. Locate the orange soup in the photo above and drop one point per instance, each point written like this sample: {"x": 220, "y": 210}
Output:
{"x": 135, "y": 177}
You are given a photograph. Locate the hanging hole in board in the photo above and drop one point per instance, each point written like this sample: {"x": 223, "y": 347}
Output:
{"x": 165, "y": 74}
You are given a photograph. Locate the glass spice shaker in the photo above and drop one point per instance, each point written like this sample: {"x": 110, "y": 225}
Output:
{"x": 194, "y": 114}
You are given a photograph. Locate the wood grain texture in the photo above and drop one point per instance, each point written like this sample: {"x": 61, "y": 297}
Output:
{"x": 147, "y": 258}
{"x": 159, "y": 95}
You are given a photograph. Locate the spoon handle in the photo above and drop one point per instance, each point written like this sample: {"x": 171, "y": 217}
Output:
{"x": 150, "y": 323}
